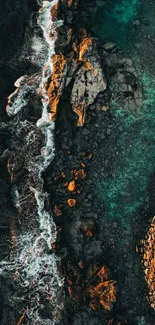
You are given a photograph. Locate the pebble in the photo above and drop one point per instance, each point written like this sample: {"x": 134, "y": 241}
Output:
{"x": 136, "y": 22}
{"x": 102, "y": 136}
{"x": 127, "y": 61}
{"x": 85, "y": 131}
{"x": 109, "y": 46}
{"x": 120, "y": 128}
{"x": 108, "y": 131}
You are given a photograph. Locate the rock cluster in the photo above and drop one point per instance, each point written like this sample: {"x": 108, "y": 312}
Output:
{"x": 82, "y": 73}
{"x": 148, "y": 261}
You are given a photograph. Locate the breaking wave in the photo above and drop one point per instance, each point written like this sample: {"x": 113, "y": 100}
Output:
{"x": 32, "y": 266}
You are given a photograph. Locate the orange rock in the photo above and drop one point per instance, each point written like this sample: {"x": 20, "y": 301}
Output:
{"x": 21, "y": 318}
{"x": 81, "y": 112}
{"x": 71, "y": 186}
{"x": 94, "y": 304}
{"x": 54, "y": 89}
{"x": 81, "y": 174}
{"x": 103, "y": 273}
{"x": 54, "y": 10}
{"x": 87, "y": 65}
{"x": 105, "y": 293}
{"x": 148, "y": 261}
{"x": 84, "y": 46}
{"x": 88, "y": 230}
{"x": 71, "y": 202}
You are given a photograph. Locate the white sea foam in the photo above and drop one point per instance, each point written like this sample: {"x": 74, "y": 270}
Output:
{"x": 35, "y": 266}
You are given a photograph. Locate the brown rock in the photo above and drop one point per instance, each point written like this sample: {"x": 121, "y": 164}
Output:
{"x": 71, "y": 202}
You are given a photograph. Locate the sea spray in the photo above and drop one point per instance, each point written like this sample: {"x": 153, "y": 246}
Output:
{"x": 33, "y": 268}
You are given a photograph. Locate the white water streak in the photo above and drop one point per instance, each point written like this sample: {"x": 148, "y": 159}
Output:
{"x": 37, "y": 270}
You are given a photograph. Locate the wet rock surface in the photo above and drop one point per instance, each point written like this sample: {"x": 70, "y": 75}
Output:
{"x": 86, "y": 235}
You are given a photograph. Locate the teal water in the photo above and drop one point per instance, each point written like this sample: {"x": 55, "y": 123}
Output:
{"x": 114, "y": 19}
{"x": 124, "y": 193}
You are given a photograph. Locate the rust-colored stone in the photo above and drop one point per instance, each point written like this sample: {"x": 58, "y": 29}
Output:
{"x": 71, "y": 202}
{"x": 87, "y": 65}
{"x": 148, "y": 261}
{"x": 80, "y": 174}
{"x": 103, "y": 273}
{"x": 71, "y": 186}
{"x": 84, "y": 46}
{"x": 79, "y": 109}
{"x": 88, "y": 230}
{"x": 21, "y": 318}
{"x": 54, "y": 10}
{"x": 56, "y": 83}
{"x": 105, "y": 293}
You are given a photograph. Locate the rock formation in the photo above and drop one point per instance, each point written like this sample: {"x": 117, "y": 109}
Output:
{"x": 91, "y": 256}
{"x": 148, "y": 262}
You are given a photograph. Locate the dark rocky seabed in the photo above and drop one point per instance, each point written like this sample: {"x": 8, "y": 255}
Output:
{"x": 115, "y": 148}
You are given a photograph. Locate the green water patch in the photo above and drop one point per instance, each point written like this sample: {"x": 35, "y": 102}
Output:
{"x": 123, "y": 193}
{"x": 112, "y": 21}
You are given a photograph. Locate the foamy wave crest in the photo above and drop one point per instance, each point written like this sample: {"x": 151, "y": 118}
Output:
{"x": 39, "y": 50}
{"x": 34, "y": 269}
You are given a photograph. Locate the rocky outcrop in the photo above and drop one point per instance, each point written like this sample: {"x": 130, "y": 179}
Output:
{"x": 82, "y": 73}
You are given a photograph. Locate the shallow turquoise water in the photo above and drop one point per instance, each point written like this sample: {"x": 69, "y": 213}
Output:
{"x": 124, "y": 193}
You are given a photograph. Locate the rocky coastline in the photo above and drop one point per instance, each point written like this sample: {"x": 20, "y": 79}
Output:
{"x": 100, "y": 257}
